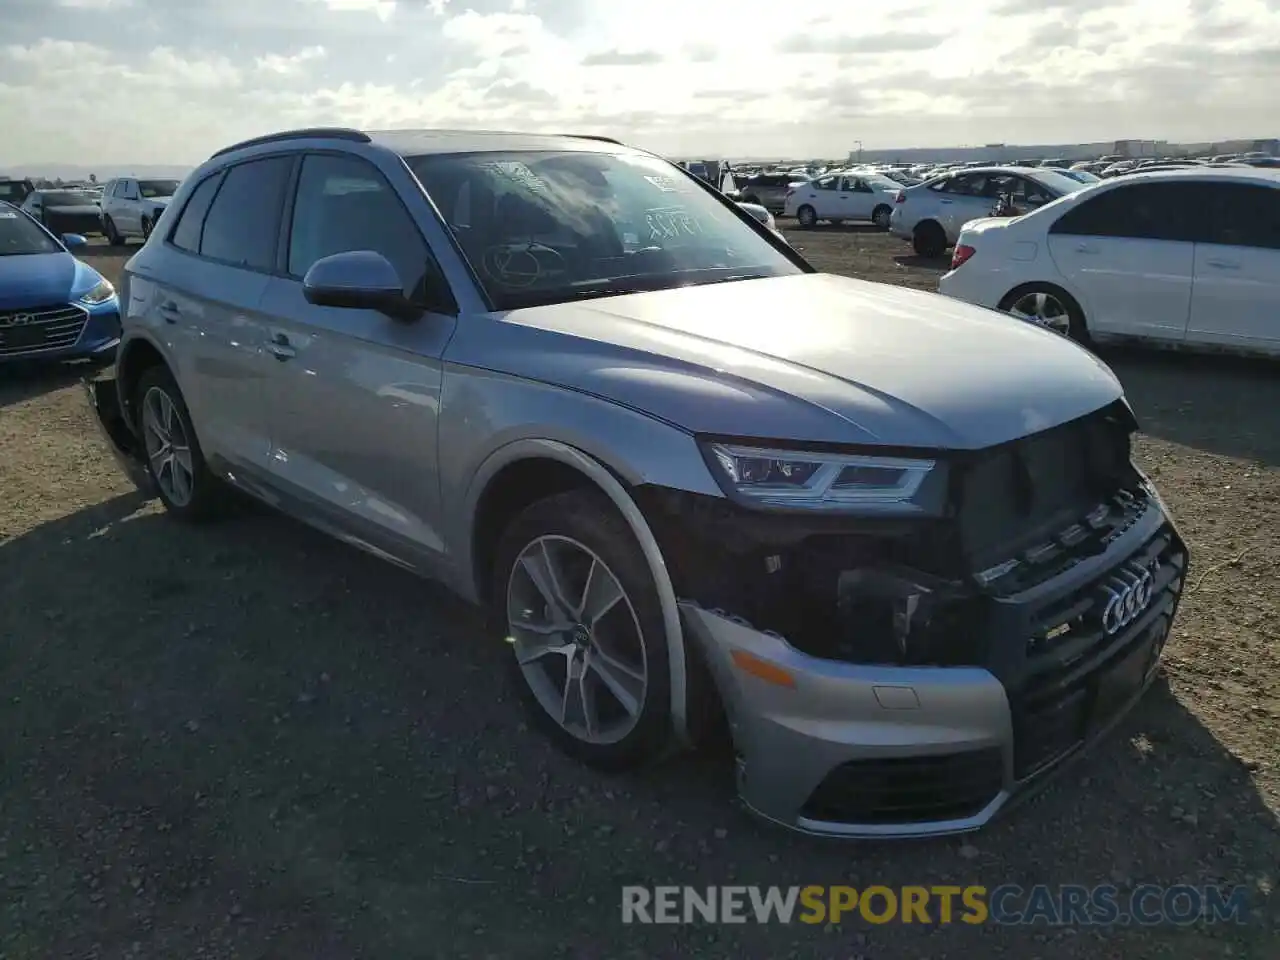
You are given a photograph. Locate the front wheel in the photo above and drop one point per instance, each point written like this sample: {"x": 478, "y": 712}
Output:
{"x": 581, "y": 614}
{"x": 146, "y": 229}
{"x": 175, "y": 462}
{"x": 807, "y": 216}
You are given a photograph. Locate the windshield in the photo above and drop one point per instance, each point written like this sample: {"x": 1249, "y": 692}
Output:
{"x": 150, "y": 189}
{"x": 69, "y": 198}
{"x": 544, "y": 227}
{"x": 19, "y": 235}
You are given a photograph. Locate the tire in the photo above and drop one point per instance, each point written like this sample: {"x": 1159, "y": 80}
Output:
{"x": 880, "y": 216}
{"x": 146, "y": 229}
{"x": 1049, "y": 306}
{"x": 573, "y": 533}
{"x": 113, "y": 235}
{"x": 929, "y": 239}
{"x": 807, "y": 217}
{"x": 203, "y": 496}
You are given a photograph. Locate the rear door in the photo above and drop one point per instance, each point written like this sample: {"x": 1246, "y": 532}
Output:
{"x": 355, "y": 394}
{"x": 1128, "y": 253}
{"x": 1235, "y": 297}
{"x": 218, "y": 259}
{"x": 960, "y": 199}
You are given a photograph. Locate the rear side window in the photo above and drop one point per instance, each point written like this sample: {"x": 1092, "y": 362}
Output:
{"x": 1244, "y": 215}
{"x": 186, "y": 232}
{"x": 243, "y": 224}
{"x": 825, "y": 183}
{"x": 1139, "y": 211}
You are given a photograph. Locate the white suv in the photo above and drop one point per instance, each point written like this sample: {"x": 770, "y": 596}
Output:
{"x": 932, "y": 213}
{"x": 131, "y": 206}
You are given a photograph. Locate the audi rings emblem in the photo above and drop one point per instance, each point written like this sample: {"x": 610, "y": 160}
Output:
{"x": 1128, "y": 593}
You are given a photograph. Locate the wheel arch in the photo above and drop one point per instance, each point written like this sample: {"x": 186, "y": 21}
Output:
{"x": 136, "y": 357}
{"x": 508, "y": 480}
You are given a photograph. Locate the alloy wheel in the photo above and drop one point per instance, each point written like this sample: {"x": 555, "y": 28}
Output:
{"x": 168, "y": 447}
{"x": 577, "y": 639}
{"x": 1044, "y": 309}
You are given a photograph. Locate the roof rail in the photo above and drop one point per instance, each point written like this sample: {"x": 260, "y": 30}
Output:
{"x": 593, "y": 136}
{"x": 306, "y": 133}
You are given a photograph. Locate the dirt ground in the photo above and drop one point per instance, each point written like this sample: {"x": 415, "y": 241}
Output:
{"x": 250, "y": 741}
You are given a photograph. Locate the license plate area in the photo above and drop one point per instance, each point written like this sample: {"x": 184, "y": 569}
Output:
{"x": 22, "y": 338}
{"x": 1120, "y": 683}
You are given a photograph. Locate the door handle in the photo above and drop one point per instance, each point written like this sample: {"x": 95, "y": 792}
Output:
{"x": 1085, "y": 248}
{"x": 169, "y": 311}
{"x": 280, "y": 348}
{"x": 1223, "y": 264}
{"x": 946, "y": 201}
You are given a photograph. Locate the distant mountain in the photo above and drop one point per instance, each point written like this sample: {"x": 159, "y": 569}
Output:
{"x": 104, "y": 172}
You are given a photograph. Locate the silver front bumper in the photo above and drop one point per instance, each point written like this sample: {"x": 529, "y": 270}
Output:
{"x": 803, "y": 725}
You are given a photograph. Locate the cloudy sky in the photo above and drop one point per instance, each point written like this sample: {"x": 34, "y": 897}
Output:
{"x": 168, "y": 81}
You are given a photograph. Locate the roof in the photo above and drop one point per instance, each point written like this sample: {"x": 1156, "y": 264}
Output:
{"x": 1266, "y": 175}
{"x": 420, "y": 142}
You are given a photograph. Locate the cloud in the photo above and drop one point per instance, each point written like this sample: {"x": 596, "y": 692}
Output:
{"x": 620, "y": 58}
{"x": 190, "y": 76}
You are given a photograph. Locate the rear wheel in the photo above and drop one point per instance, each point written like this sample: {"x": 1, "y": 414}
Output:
{"x": 880, "y": 216}
{"x": 1047, "y": 306}
{"x": 576, "y": 599}
{"x": 187, "y": 488}
{"x": 113, "y": 235}
{"x": 929, "y": 239}
{"x": 807, "y": 217}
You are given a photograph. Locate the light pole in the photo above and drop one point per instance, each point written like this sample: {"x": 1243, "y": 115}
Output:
{"x": 859, "y": 143}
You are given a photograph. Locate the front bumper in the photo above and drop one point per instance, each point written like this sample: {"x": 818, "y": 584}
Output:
{"x": 855, "y": 751}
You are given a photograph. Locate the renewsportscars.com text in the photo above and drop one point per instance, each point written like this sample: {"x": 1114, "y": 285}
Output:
{"x": 1009, "y": 904}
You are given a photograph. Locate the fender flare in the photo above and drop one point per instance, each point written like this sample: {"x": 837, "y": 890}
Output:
{"x": 603, "y": 478}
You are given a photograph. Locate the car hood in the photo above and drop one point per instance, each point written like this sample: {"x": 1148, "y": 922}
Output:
{"x": 43, "y": 280}
{"x": 814, "y": 357}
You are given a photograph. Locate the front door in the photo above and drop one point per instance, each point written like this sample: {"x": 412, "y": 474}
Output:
{"x": 356, "y": 394}
{"x": 1235, "y": 299}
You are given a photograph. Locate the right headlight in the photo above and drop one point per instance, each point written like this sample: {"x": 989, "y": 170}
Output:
{"x": 799, "y": 479}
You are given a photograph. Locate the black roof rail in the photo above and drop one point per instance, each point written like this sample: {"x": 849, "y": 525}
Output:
{"x": 306, "y": 133}
{"x": 593, "y": 136}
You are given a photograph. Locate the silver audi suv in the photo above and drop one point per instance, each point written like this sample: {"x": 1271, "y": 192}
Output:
{"x": 896, "y": 541}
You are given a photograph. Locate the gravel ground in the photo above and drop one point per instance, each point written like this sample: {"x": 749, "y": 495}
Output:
{"x": 250, "y": 741}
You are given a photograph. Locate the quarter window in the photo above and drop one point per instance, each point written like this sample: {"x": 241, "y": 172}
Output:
{"x": 343, "y": 204}
{"x": 243, "y": 224}
{"x": 1140, "y": 211}
{"x": 186, "y": 232}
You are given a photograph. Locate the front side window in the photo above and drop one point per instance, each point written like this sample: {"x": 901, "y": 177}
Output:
{"x": 344, "y": 204}
{"x": 552, "y": 226}
{"x": 19, "y": 236}
{"x": 242, "y": 226}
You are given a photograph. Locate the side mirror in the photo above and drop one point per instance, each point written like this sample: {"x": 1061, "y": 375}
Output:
{"x": 74, "y": 241}
{"x": 360, "y": 280}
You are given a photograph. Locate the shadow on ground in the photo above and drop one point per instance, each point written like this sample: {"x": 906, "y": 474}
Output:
{"x": 248, "y": 740}
{"x": 1222, "y": 405}
{"x": 23, "y": 381}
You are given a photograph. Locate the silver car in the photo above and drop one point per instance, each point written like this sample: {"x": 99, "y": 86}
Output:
{"x": 896, "y": 540}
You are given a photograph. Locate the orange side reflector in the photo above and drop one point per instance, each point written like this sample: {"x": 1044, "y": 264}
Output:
{"x": 750, "y": 663}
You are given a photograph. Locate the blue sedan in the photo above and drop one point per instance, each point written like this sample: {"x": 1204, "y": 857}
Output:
{"x": 52, "y": 306}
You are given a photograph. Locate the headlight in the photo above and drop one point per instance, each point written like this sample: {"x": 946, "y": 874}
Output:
{"x": 799, "y": 479}
{"x": 101, "y": 292}
{"x": 769, "y": 222}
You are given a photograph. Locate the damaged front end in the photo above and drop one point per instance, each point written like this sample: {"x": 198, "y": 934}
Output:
{"x": 908, "y": 671}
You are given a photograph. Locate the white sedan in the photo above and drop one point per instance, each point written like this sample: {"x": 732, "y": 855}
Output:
{"x": 1173, "y": 257}
{"x": 844, "y": 195}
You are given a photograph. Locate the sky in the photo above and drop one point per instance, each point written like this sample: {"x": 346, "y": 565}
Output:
{"x": 170, "y": 81}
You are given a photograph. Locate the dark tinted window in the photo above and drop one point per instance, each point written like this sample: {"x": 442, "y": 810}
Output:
{"x": 186, "y": 232}
{"x": 344, "y": 203}
{"x": 242, "y": 226}
{"x": 151, "y": 189}
{"x": 965, "y": 185}
{"x": 1145, "y": 211}
{"x": 1244, "y": 215}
